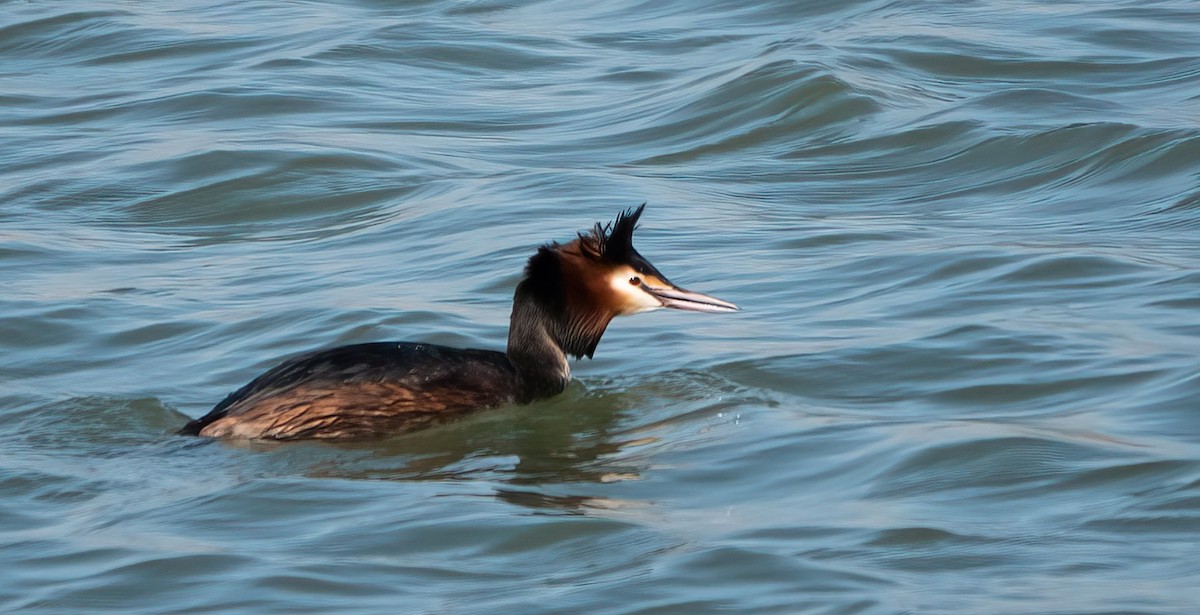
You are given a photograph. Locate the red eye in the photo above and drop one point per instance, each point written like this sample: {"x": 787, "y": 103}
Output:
{"x": 635, "y": 281}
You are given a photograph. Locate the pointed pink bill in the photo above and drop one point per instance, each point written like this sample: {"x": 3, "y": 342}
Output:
{"x": 680, "y": 299}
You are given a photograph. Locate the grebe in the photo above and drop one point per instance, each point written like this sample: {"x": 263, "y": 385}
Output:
{"x": 569, "y": 294}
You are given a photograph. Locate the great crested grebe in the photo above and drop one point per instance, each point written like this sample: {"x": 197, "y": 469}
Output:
{"x": 569, "y": 294}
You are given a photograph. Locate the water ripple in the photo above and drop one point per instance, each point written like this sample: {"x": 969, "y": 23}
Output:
{"x": 964, "y": 235}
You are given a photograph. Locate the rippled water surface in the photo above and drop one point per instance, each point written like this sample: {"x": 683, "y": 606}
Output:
{"x": 966, "y": 237}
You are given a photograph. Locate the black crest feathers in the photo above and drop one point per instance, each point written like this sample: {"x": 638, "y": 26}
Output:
{"x": 613, "y": 242}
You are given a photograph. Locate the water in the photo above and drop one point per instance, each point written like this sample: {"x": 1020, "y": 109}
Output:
{"x": 966, "y": 237}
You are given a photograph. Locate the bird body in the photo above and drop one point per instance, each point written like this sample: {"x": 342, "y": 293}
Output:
{"x": 561, "y": 308}
{"x": 363, "y": 390}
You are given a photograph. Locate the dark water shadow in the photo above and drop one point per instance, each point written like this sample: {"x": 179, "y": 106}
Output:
{"x": 561, "y": 440}
{"x": 537, "y": 456}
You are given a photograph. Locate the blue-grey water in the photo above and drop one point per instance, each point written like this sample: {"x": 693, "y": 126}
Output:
{"x": 965, "y": 235}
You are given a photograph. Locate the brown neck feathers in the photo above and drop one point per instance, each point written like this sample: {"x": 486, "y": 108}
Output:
{"x": 554, "y": 315}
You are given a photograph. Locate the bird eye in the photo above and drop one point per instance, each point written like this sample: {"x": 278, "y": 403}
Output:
{"x": 635, "y": 281}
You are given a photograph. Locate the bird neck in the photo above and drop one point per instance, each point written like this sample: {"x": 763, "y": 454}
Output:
{"x": 540, "y": 362}
{"x": 551, "y": 320}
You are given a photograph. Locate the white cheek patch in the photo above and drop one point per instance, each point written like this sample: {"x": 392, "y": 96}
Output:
{"x": 633, "y": 299}
{"x": 646, "y": 308}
